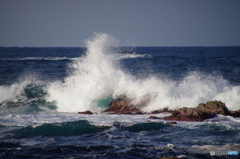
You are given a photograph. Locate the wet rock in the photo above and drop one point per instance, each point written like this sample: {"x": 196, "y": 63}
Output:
{"x": 189, "y": 114}
{"x": 86, "y": 112}
{"x": 214, "y": 107}
{"x": 171, "y": 123}
{"x": 165, "y": 110}
{"x": 200, "y": 113}
{"x": 154, "y": 117}
{"x": 235, "y": 113}
{"x": 124, "y": 106}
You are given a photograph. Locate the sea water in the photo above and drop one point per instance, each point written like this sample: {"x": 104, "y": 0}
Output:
{"x": 42, "y": 89}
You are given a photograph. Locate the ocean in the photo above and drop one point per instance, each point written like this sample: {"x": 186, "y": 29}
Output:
{"x": 43, "y": 89}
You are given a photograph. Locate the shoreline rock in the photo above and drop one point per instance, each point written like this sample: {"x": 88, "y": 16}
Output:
{"x": 202, "y": 112}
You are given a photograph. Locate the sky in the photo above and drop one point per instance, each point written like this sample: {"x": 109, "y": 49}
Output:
{"x": 67, "y": 23}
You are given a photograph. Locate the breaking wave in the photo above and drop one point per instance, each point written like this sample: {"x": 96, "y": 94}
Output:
{"x": 97, "y": 78}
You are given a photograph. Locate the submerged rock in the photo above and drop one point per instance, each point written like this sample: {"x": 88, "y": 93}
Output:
{"x": 171, "y": 123}
{"x": 154, "y": 117}
{"x": 86, "y": 112}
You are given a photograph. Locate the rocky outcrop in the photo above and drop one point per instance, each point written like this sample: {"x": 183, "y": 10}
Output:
{"x": 124, "y": 106}
{"x": 214, "y": 107}
{"x": 200, "y": 113}
{"x": 189, "y": 114}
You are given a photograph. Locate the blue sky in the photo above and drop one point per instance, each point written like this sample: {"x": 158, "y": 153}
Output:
{"x": 53, "y": 23}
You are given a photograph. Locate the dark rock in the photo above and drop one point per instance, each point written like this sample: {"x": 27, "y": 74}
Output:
{"x": 127, "y": 52}
{"x": 200, "y": 113}
{"x": 165, "y": 110}
{"x": 235, "y": 113}
{"x": 214, "y": 107}
{"x": 171, "y": 123}
{"x": 189, "y": 114}
{"x": 86, "y": 112}
{"x": 124, "y": 106}
{"x": 154, "y": 117}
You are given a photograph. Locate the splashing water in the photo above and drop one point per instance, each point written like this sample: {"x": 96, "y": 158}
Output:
{"x": 93, "y": 78}
{"x": 96, "y": 79}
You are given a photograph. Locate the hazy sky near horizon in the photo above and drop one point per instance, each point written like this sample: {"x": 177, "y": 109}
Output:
{"x": 67, "y": 23}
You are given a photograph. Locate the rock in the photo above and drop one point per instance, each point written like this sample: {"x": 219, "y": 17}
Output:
{"x": 214, "y": 107}
{"x": 86, "y": 112}
{"x": 154, "y": 117}
{"x": 235, "y": 113}
{"x": 165, "y": 110}
{"x": 124, "y": 106}
{"x": 189, "y": 114}
{"x": 200, "y": 113}
{"x": 171, "y": 123}
{"x": 126, "y": 52}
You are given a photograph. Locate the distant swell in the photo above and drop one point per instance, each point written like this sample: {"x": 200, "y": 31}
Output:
{"x": 60, "y": 129}
{"x": 152, "y": 126}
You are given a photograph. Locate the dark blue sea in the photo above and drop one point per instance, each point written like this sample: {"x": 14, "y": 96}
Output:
{"x": 43, "y": 89}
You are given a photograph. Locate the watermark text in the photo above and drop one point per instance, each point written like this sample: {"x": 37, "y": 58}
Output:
{"x": 221, "y": 153}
